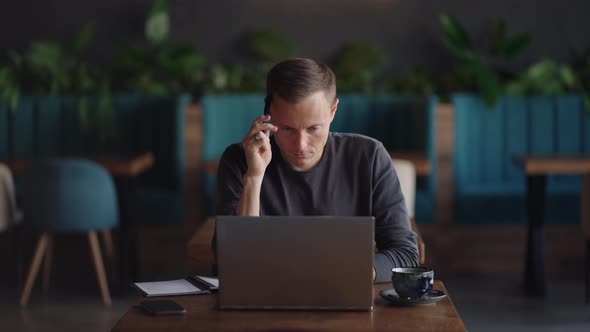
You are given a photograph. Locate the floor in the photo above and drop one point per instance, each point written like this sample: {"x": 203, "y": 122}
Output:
{"x": 484, "y": 281}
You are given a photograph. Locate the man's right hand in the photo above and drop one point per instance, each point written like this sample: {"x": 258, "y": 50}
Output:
{"x": 257, "y": 146}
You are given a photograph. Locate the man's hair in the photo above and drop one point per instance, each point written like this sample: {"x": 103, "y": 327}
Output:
{"x": 297, "y": 78}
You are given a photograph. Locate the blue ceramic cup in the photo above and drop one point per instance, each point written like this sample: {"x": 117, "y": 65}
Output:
{"x": 412, "y": 282}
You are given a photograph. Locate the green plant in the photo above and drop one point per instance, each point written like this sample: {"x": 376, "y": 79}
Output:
{"x": 266, "y": 45}
{"x": 418, "y": 81}
{"x": 478, "y": 70}
{"x": 356, "y": 66}
{"x": 48, "y": 68}
{"x": 544, "y": 77}
{"x": 10, "y": 89}
{"x": 581, "y": 68}
{"x": 261, "y": 49}
{"x": 237, "y": 77}
{"x": 163, "y": 68}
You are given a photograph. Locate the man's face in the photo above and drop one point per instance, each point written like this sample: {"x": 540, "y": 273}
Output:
{"x": 303, "y": 128}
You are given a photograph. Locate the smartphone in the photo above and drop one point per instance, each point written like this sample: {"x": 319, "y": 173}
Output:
{"x": 162, "y": 307}
{"x": 267, "y": 101}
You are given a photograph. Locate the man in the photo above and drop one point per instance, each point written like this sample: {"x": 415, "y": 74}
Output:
{"x": 304, "y": 169}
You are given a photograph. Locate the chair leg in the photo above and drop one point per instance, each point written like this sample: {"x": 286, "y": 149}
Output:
{"x": 18, "y": 255}
{"x": 587, "y": 269}
{"x": 585, "y": 214}
{"x": 107, "y": 241}
{"x": 34, "y": 268}
{"x": 47, "y": 263}
{"x": 99, "y": 268}
{"x": 420, "y": 242}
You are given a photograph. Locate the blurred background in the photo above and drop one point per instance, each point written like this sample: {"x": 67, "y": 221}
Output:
{"x": 459, "y": 88}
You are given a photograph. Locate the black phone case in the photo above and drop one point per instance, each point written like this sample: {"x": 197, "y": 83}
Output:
{"x": 267, "y": 101}
{"x": 162, "y": 307}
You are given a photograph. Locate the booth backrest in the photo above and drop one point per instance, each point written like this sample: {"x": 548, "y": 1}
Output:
{"x": 487, "y": 140}
{"x": 52, "y": 126}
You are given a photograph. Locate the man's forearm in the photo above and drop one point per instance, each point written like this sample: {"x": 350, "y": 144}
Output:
{"x": 249, "y": 203}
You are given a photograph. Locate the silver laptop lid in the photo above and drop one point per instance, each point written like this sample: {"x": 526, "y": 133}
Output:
{"x": 295, "y": 262}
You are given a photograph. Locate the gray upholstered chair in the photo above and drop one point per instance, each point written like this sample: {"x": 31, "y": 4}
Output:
{"x": 406, "y": 173}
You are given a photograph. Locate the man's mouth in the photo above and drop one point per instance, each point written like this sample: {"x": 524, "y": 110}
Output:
{"x": 302, "y": 155}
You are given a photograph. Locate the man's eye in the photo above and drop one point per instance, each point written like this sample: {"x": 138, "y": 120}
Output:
{"x": 313, "y": 129}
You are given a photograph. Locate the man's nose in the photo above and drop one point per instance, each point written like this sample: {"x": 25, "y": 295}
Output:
{"x": 301, "y": 141}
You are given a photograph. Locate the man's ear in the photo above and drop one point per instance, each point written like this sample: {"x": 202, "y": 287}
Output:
{"x": 334, "y": 108}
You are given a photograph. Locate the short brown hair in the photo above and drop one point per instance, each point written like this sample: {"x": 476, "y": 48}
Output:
{"x": 296, "y": 78}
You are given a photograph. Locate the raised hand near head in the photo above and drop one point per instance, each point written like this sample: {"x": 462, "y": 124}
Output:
{"x": 257, "y": 145}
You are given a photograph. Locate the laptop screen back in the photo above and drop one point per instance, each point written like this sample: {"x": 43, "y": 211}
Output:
{"x": 294, "y": 262}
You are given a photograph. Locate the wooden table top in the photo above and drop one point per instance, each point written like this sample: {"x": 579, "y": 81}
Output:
{"x": 553, "y": 164}
{"x": 117, "y": 165}
{"x": 202, "y": 315}
{"x": 421, "y": 163}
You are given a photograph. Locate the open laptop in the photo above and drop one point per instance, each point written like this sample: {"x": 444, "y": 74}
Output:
{"x": 303, "y": 262}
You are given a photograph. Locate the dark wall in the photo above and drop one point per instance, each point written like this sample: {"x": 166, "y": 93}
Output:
{"x": 408, "y": 30}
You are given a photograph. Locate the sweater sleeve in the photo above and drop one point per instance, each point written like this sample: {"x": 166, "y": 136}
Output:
{"x": 395, "y": 240}
{"x": 232, "y": 166}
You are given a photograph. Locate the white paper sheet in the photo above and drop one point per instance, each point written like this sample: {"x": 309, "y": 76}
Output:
{"x": 176, "y": 287}
{"x": 212, "y": 281}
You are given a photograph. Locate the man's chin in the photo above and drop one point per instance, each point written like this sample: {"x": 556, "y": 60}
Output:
{"x": 302, "y": 164}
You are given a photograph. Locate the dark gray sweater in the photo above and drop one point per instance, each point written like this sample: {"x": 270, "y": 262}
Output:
{"x": 355, "y": 177}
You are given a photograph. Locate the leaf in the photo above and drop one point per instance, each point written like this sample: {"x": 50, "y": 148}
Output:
{"x": 9, "y": 88}
{"x": 356, "y": 57}
{"x": 157, "y": 25}
{"x": 542, "y": 70}
{"x": 151, "y": 86}
{"x": 15, "y": 57}
{"x": 513, "y": 46}
{"x": 85, "y": 81}
{"x": 84, "y": 37}
{"x": 14, "y": 99}
{"x": 159, "y": 6}
{"x": 546, "y": 77}
{"x": 567, "y": 76}
{"x": 219, "y": 77}
{"x": 47, "y": 65}
{"x": 267, "y": 44}
{"x": 498, "y": 37}
{"x": 454, "y": 35}
{"x": 44, "y": 56}
{"x": 132, "y": 58}
{"x": 487, "y": 83}
{"x": 106, "y": 113}
{"x": 515, "y": 88}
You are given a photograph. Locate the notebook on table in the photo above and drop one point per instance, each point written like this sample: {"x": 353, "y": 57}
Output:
{"x": 190, "y": 285}
{"x": 295, "y": 262}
